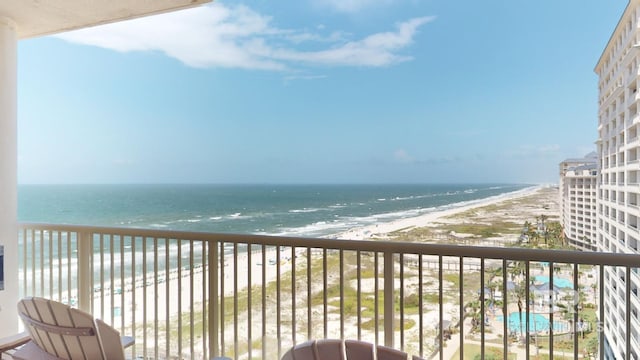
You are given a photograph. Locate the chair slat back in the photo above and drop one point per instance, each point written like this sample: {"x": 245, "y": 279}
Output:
{"x": 305, "y": 351}
{"x": 359, "y": 350}
{"x": 387, "y": 353}
{"x": 110, "y": 340}
{"x": 330, "y": 349}
{"x": 335, "y": 349}
{"x": 67, "y": 333}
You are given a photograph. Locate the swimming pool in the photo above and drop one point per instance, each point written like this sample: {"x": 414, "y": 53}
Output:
{"x": 537, "y": 322}
{"x": 559, "y": 282}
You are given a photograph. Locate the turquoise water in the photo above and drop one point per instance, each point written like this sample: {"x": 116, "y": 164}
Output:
{"x": 559, "y": 282}
{"x": 537, "y": 322}
{"x": 288, "y": 210}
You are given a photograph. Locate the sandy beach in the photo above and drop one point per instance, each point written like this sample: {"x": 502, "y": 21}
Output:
{"x": 428, "y": 220}
{"x": 513, "y": 208}
{"x": 536, "y": 195}
{"x": 250, "y": 268}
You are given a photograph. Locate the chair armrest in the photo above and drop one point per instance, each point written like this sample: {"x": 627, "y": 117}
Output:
{"x": 13, "y": 341}
{"x": 127, "y": 341}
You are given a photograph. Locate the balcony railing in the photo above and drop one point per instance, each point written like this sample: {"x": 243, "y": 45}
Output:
{"x": 200, "y": 295}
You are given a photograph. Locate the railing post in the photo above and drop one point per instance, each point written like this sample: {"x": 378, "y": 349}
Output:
{"x": 389, "y": 299}
{"x": 85, "y": 274}
{"x": 214, "y": 316}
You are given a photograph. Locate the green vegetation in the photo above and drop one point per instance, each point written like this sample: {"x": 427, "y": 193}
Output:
{"x": 473, "y": 352}
{"x": 341, "y": 280}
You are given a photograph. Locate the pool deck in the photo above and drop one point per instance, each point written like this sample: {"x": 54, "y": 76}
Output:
{"x": 452, "y": 346}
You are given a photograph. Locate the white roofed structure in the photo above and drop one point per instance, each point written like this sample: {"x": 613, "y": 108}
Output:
{"x": 36, "y": 18}
{"x": 21, "y": 19}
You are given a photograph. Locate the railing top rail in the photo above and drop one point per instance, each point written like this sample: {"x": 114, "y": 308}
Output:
{"x": 507, "y": 253}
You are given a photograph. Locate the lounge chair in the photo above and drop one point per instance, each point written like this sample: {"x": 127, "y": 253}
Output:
{"x": 332, "y": 349}
{"x": 58, "y": 331}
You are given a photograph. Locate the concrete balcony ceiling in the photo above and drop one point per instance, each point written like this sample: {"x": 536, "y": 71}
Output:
{"x": 43, "y": 17}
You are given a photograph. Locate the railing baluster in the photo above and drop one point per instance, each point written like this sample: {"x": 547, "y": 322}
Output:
{"x": 264, "y": 299}
{"x": 388, "y": 298}
{"x": 324, "y": 290}
{"x": 123, "y": 287}
{"x": 341, "y": 282}
{"x": 101, "y": 275}
{"x": 156, "y": 333}
{"x": 214, "y": 313}
{"x": 144, "y": 289}
{"x": 249, "y": 305}
{"x": 111, "y": 279}
{"x": 358, "y": 294}
{"x": 376, "y": 311}
{"x": 33, "y": 262}
{"x": 552, "y": 305}
{"x": 50, "y": 258}
{"x": 25, "y": 274}
{"x": 482, "y": 315}
{"x": 526, "y": 299}
{"x": 627, "y": 281}
{"x": 42, "y": 236}
{"x": 505, "y": 315}
{"x": 235, "y": 300}
{"x": 401, "y": 261}
{"x": 576, "y": 307}
{"x": 278, "y": 305}
{"x": 101, "y": 292}
{"x": 85, "y": 271}
{"x": 293, "y": 295}
{"x": 191, "y": 298}
{"x": 222, "y": 295}
{"x": 210, "y": 288}
{"x": 179, "y": 296}
{"x": 167, "y": 303}
{"x": 309, "y": 300}
{"x": 133, "y": 282}
{"x": 440, "y": 311}
{"x": 461, "y": 321}
{"x": 70, "y": 265}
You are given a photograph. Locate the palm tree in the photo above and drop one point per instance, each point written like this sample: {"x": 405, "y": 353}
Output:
{"x": 516, "y": 270}
{"x": 520, "y": 293}
{"x": 532, "y": 234}
{"x": 473, "y": 311}
{"x": 555, "y": 234}
{"x": 541, "y": 219}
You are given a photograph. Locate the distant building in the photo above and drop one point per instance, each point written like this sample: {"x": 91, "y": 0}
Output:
{"x": 578, "y": 193}
{"x": 619, "y": 174}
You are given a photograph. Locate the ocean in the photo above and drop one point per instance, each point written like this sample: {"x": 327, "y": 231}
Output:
{"x": 287, "y": 210}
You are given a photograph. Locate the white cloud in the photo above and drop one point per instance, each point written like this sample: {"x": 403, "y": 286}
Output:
{"x": 350, "y": 6}
{"x": 304, "y": 77}
{"x": 402, "y": 156}
{"x": 239, "y": 37}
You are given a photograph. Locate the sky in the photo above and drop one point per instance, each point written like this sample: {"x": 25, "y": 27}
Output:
{"x": 317, "y": 91}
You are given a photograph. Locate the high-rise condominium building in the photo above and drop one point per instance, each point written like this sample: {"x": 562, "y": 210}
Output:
{"x": 578, "y": 179}
{"x": 619, "y": 172}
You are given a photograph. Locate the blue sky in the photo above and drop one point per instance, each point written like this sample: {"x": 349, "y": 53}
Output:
{"x": 316, "y": 91}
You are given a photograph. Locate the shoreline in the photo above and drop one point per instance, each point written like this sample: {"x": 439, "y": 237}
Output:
{"x": 384, "y": 229}
{"x": 370, "y": 232}
{"x": 251, "y": 269}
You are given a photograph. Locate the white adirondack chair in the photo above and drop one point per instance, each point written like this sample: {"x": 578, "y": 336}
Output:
{"x": 333, "y": 349}
{"x": 58, "y": 331}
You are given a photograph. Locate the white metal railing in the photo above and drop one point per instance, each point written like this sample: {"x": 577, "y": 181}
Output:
{"x": 265, "y": 294}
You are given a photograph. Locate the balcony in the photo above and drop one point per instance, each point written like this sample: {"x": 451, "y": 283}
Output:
{"x": 159, "y": 287}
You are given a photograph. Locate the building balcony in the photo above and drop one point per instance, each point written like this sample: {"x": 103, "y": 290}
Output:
{"x": 186, "y": 295}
